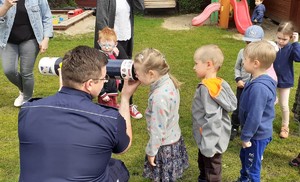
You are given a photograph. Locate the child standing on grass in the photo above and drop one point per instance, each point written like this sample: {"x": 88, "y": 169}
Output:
{"x": 258, "y": 12}
{"x": 283, "y": 65}
{"x": 256, "y": 109}
{"x": 108, "y": 42}
{"x": 252, "y": 34}
{"x": 213, "y": 100}
{"x": 166, "y": 155}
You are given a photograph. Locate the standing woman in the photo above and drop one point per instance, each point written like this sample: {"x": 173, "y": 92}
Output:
{"x": 118, "y": 15}
{"x": 25, "y": 29}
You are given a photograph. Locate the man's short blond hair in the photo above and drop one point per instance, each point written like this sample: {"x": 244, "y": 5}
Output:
{"x": 262, "y": 51}
{"x": 210, "y": 52}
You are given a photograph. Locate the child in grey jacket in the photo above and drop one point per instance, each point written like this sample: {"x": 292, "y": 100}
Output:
{"x": 212, "y": 102}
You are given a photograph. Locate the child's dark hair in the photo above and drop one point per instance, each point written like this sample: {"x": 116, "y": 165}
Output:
{"x": 153, "y": 59}
{"x": 287, "y": 28}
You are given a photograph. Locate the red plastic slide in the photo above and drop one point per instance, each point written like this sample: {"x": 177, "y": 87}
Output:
{"x": 202, "y": 17}
{"x": 241, "y": 15}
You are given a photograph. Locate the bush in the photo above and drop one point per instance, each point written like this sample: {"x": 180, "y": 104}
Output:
{"x": 54, "y": 4}
{"x": 192, "y": 6}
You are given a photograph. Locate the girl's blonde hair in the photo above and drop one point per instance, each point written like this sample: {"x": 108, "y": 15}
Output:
{"x": 153, "y": 59}
{"x": 287, "y": 28}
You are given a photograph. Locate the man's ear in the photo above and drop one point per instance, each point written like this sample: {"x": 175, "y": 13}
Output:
{"x": 88, "y": 85}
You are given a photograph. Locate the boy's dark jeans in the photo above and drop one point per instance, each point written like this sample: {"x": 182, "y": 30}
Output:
{"x": 210, "y": 167}
{"x": 235, "y": 122}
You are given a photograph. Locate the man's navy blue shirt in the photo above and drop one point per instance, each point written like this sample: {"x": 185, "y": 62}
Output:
{"x": 67, "y": 137}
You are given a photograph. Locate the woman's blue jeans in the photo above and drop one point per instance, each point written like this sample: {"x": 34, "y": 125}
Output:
{"x": 26, "y": 52}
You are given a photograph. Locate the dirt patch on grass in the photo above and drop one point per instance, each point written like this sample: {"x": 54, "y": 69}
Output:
{"x": 184, "y": 22}
{"x": 178, "y": 22}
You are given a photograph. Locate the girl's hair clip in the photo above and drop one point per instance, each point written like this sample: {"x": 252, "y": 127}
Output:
{"x": 141, "y": 57}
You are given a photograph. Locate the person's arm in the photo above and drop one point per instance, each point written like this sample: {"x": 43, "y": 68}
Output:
{"x": 254, "y": 115}
{"x": 129, "y": 88}
{"x": 238, "y": 66}
{"x": 260, "y": 13}
{"x": 47, "y": 25}
{"x": 103, "y": 12}
{"x": 6, "y": 6}
{"x": 296, "y": 49}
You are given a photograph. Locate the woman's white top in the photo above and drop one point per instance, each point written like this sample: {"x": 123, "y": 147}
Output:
{"x": 122, "y": 25}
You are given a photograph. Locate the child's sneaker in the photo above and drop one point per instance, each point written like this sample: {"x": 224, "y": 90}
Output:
{"x": 284, "y": 133}
{"x": 134, "y": 112}
{"x": 295, "y": 162}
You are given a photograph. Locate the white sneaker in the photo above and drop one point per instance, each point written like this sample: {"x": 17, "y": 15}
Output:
{"x": 19, "y": 101}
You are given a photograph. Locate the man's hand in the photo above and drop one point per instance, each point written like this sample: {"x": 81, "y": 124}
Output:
{"x": 151, "y": 160}
{"x": 10, "y": 3}
{"x": 129, "y": 87}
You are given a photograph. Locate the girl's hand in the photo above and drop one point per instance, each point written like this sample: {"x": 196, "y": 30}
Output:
{"x": 295, "y": 36}
{"x": 44, "y": 45}
{"x": 151, "y": 160}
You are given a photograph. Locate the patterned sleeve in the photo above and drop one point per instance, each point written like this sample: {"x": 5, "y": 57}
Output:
{"x": 156, "y": 124}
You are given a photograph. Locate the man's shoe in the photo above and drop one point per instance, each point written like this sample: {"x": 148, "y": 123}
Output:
{"x": 284, "y": 133}
{"x": 134, "y": 112}
{"x": 19, "y": 101}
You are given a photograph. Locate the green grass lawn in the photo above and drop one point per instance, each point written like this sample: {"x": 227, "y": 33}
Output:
{"x": 178, "y": 47}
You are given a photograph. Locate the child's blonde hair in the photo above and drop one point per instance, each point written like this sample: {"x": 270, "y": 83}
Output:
{"x": 107, "y": 34}
{"x": 286, "y": 28}
{"x": 210, "y": 52}
{"x": 153, "y": 59}
{"x": 262, "y": 51}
